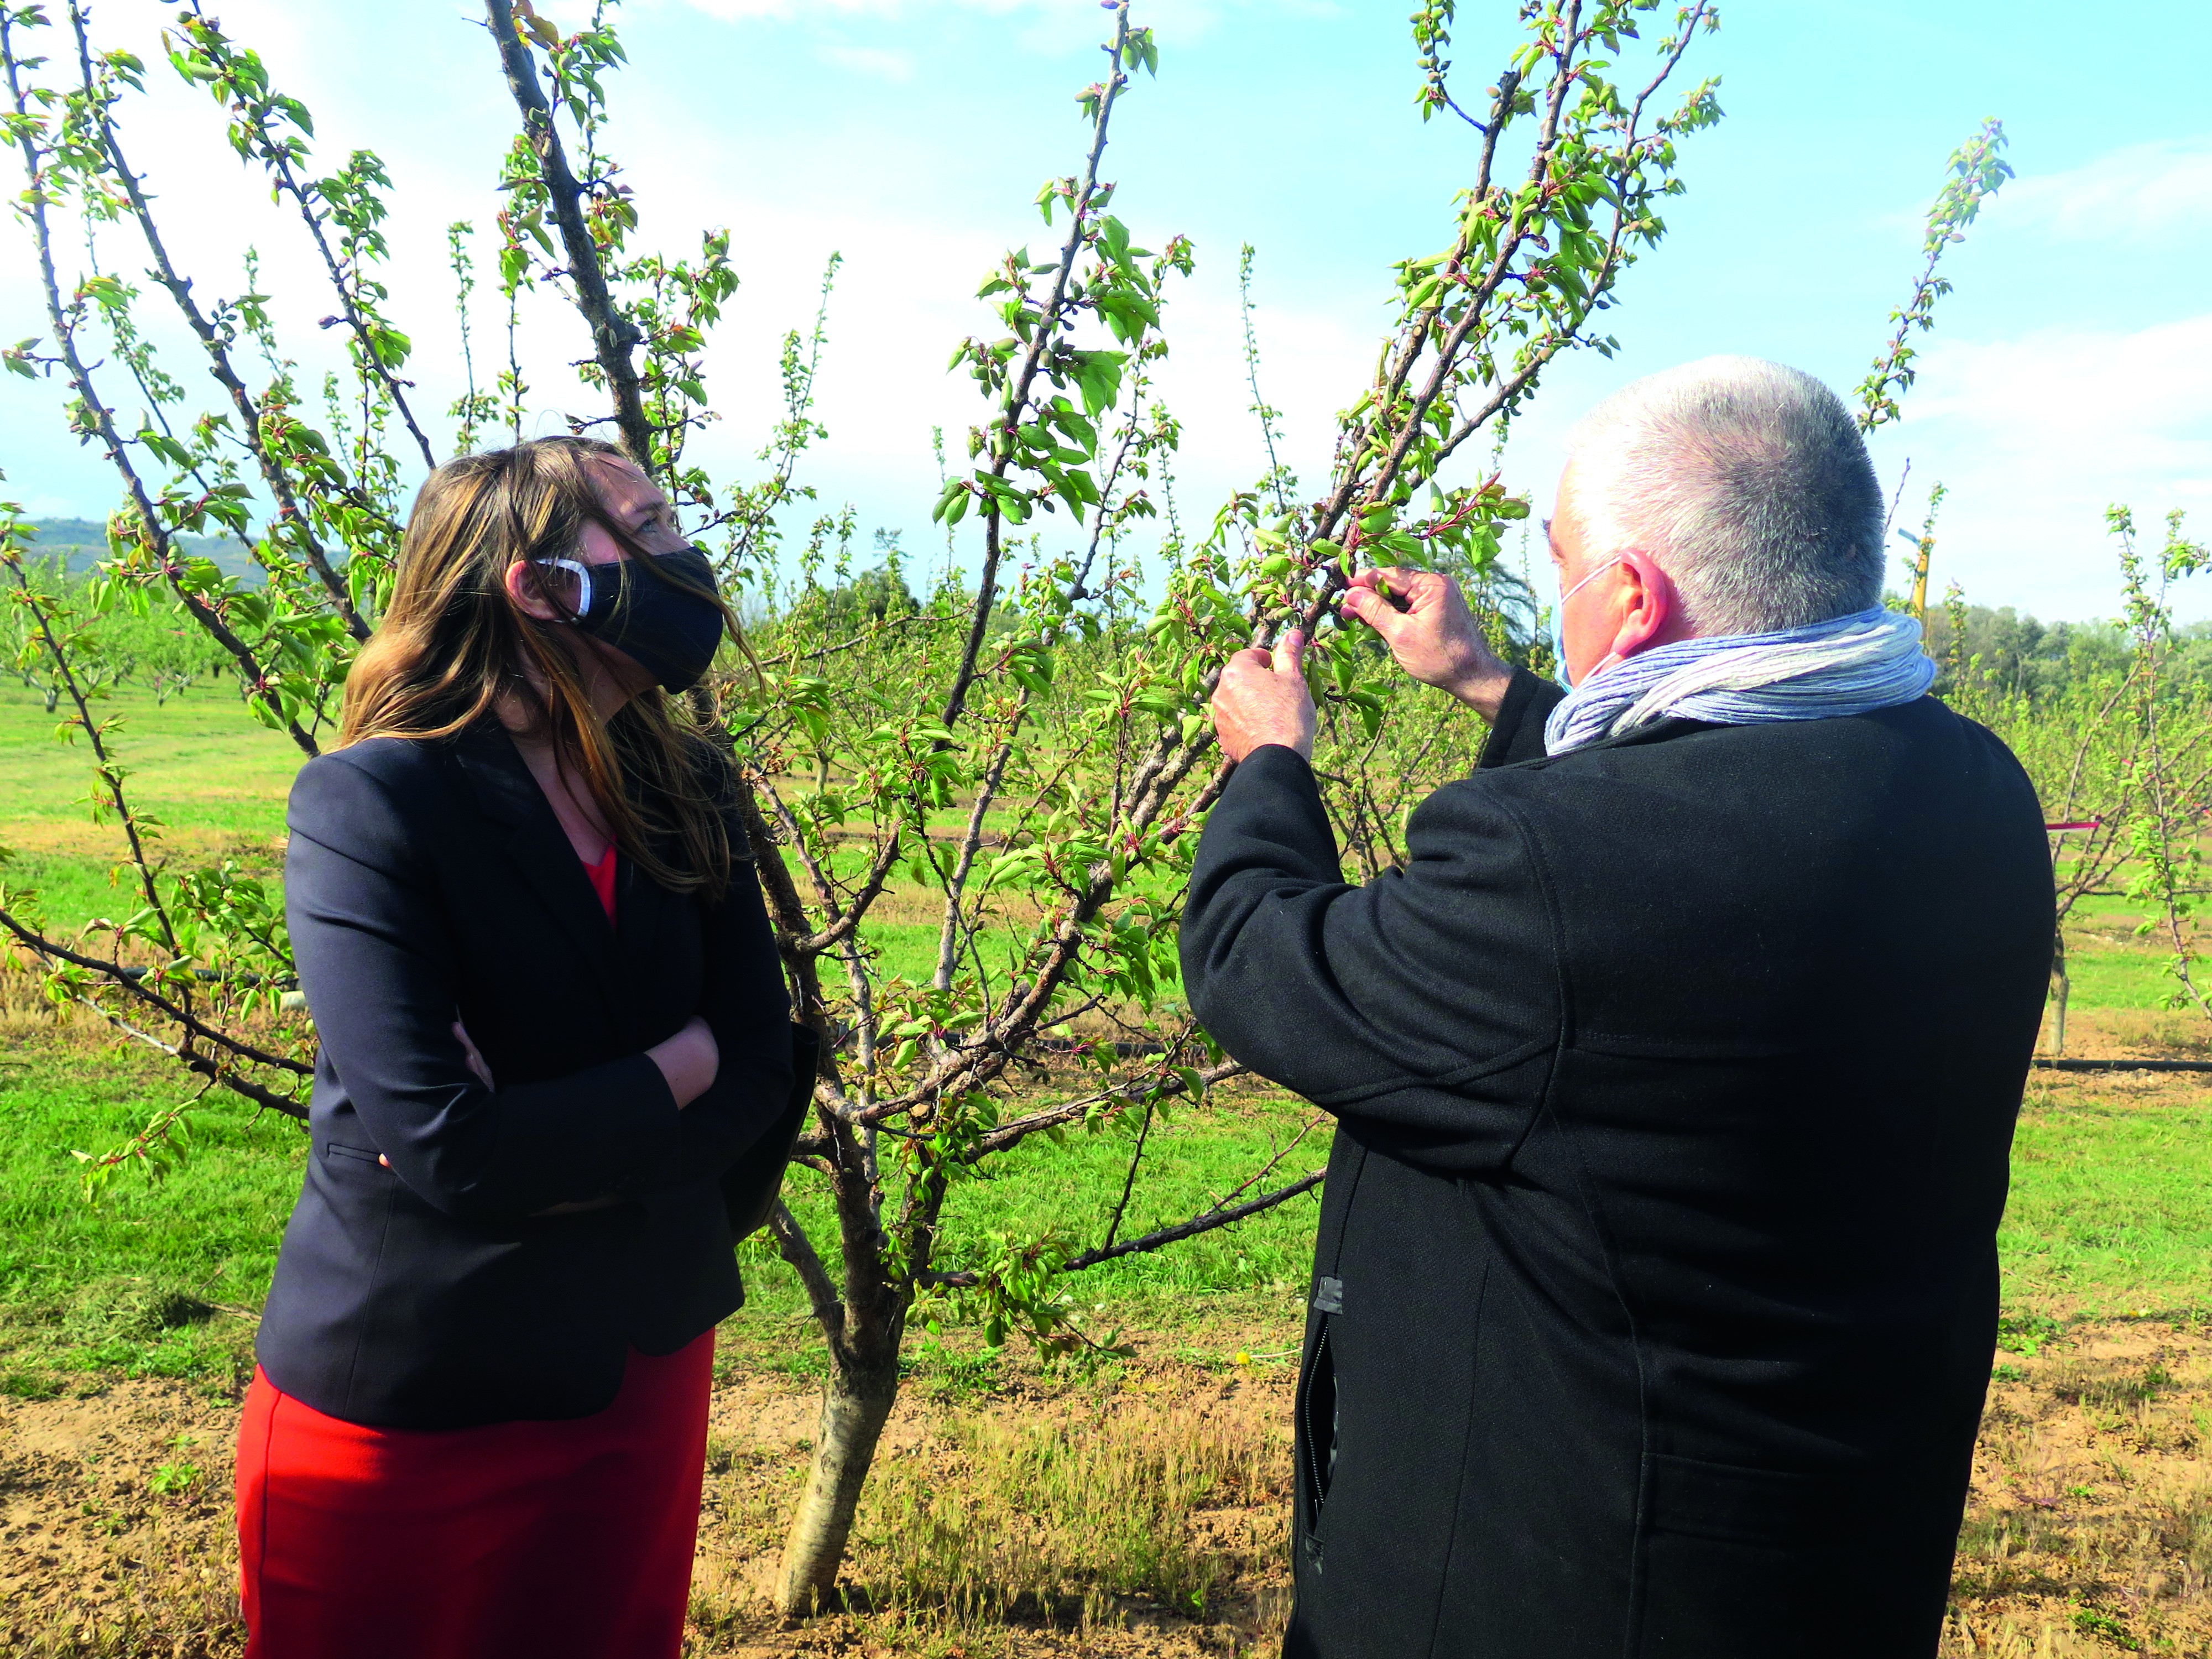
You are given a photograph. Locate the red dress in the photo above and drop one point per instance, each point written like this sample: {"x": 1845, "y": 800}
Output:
{"x": 566, "y": 1540}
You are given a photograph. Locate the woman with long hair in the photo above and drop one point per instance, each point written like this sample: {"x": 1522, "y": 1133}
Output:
{"x": 553, "y": 1028}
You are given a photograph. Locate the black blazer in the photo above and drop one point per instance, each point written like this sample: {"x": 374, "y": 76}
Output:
{"x": 1656, "y": 1279}
{"x": 430, "y": 882}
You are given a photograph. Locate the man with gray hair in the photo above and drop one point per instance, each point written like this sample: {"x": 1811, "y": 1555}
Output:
{"x": 1675, "y": 1075}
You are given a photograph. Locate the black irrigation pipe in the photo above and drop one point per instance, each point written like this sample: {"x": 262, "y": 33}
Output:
{"x": 2048, "y": 1064}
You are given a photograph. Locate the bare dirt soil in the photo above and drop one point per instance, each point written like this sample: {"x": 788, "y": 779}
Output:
{"x": 1098, "y": 1517}
{"x": 2090, "y": 1527}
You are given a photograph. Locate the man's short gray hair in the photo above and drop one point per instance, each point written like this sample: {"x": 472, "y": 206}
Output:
{"x": 1747, "y": 482}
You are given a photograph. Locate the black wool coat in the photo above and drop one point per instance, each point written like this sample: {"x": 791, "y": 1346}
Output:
{"x": 1656, "y": 1280}
{"x": 426, "y": 883}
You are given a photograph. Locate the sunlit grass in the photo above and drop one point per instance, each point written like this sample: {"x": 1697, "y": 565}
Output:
{"x": 2111, "y": 1196}
{"x": 2109, "y": 1205}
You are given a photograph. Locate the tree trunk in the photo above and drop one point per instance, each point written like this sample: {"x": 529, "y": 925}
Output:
{"x": 2061, "y": 983}
{"x": 855, "y": 1401}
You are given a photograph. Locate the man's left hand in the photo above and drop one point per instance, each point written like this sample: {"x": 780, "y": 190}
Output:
{"x": 1261, "y": 698}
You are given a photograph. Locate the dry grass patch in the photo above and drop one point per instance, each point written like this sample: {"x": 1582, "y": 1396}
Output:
{"x": 2131, "y": 1034}
{"x": 1147, "y": 1515}
{"x": 115, "y": 1526}
{"x": 2089, "y": 1530}
{"x": 1139, "y": 1516}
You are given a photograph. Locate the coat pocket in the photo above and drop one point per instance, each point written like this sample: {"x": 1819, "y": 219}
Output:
{"x": 1731, "y": 1555}
{"x": 1316, "y": 1422}
{"x": 359, "y": 1154}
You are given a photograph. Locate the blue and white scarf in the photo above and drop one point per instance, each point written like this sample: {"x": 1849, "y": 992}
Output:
{"x": 1845, "y": 665}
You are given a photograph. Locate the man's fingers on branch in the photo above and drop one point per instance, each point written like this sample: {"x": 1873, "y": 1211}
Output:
{"x": 1434, "y": 638}
{"x": 1385, "y": 597}
{"x": 1261, "y": 698}
{"x": 1370, "y": 607}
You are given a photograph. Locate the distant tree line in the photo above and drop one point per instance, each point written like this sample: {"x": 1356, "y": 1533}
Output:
{"x": 2013, "y": 654}
{"x": 81, "y": 544}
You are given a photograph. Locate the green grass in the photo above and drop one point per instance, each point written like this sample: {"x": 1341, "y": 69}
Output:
{"x": 2117, "y": 979}
{"x": 2112, "y": 1199}
{"x": 2111, "y": 1203}
{"x": 2109, "y": 965}
{"x": 199, "y": 762}
{"x": 2111, "y": 1211}
{"x": 155, "y": 1280}
{"x": 162, "y": 1280}
{"x": 199, "y": 766}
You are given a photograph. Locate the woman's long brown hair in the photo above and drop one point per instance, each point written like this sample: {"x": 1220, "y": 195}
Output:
{"x": 453, "y": 643}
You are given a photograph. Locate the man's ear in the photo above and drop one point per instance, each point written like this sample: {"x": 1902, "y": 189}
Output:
{"x": 1648, "y": 604}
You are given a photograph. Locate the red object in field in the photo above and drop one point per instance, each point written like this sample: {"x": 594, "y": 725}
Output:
{"x": 2082, "y": 823}
{"x": 568, "y": 1539}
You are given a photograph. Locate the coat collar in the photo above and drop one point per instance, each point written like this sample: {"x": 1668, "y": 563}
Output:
{"x": 1659, "y": 730}
{"x": 508, "y": 796}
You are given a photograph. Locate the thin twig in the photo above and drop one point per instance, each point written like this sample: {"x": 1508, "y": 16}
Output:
{"x": 1018, "y": 393}
{"x": 1130, "y": 1181}
{"x": 250, "y": 431}
{"x": 255, "y": 679}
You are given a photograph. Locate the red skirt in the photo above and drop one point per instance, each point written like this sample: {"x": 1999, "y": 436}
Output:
{"x": 540, "y": 1540}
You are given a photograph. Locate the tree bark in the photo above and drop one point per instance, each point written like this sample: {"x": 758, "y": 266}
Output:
{"x": 856, "y": 1400}
{"x": 2060, "y": 984}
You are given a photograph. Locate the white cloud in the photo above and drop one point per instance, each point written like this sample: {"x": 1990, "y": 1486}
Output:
{"x": 2035, "y": 436}
{"x": 2140, "y": 191}
{"x": 874, "y": 62}
{"x": 2116, "y": 393}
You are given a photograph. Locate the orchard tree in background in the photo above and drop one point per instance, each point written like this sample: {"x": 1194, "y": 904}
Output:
{"x": 1021, "y": 753}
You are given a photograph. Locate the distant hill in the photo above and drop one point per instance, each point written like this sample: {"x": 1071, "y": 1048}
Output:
{"x": 82, "y": 543}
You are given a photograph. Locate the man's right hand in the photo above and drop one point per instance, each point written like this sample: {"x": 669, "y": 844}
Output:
{"x": 1434, "y": 639}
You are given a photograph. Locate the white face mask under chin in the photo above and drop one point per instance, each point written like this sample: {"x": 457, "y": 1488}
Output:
{"x": 1560, "y": 630}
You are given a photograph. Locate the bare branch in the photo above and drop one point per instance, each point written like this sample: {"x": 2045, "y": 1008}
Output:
{"x": 200, "y": 1065}
{"x": 613, "y": 335}
{"x": 1202, "y": 1223}
{"x": 104, "y": 768}
{"x": 1209, "y": 1222}
{"x": 1069, "y": 1111}
{"x": 1130, "y": 1181}
{"x": 792, "y": 1244}
{"x": 871, "y": 889}
{"x": 987, "y": 791}
{"x": 124, "y": 979}
{"x": 219, "y": 364}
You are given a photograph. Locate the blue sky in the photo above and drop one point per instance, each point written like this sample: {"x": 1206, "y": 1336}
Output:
{"x": 2070, "y": 368}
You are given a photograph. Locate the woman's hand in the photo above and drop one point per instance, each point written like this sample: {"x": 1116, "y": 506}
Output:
{"x": 688, "y": 1060}
{"x": 475, "y": 1062}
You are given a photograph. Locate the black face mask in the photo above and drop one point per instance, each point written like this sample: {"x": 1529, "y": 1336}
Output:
{"x": 669, "y": 633}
